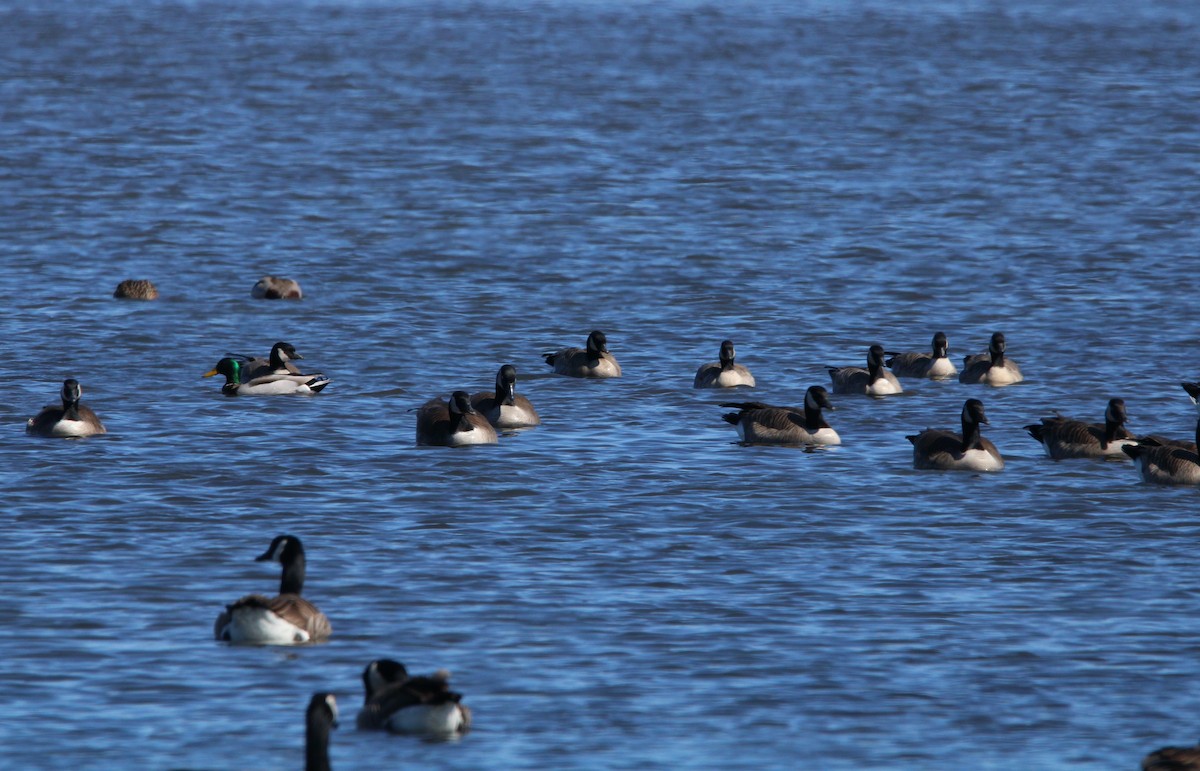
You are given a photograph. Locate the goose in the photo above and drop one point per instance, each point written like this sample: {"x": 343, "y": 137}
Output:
{"x": 1193, "y": 392}
{"x": 425, "y": 704}
{"x": 276, "y": 288}
{"x": 319, "y": 719}
{"x": 136, "y": 289}
{"x": 1161, "y": 463}
{"x": 943, "y": 449}
{"x": 759, "y": 423}
{"x": 453, "y": 423}
{"x": 267, "y": 385}
{"x": 503, "y": 407}
{"x": 286, "y": 619}
{"x": 992, "y": 368}
{"x": 875, "y": 380}
{"x": 1065, "y": 438}
{"x": 278, "y": 362}
{"x": 935, "y": 365}
{"x": 72, "y": 419}
{"x": 724, "y": 373}
{"x": 593, "y": 361}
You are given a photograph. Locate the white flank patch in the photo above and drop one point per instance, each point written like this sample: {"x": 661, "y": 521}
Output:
{"x": 826, "y": 436}
{"x": 942, "y": 368}
{"x": 66, "y": 427}
{"x": 883, "y": 387}
{"x": 423, "y": 719}
{"x": 980, "y": 460}
{"x": 261, "y": 626}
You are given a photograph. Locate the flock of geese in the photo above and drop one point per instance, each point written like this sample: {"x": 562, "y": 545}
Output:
{"x": 395, "y": 701}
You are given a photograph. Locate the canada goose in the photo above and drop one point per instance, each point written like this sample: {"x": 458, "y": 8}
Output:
{"x": 321, "y": 716}
{"x": 403, "y": 704}
{"x": 278, "y": 362}
{"x": 136, "y": 289}
{"x": 875, "y": 380}
{"x": 276, "y": 288}
{"x": 1176, "y": 463}
{"x": 1173, "y": 759}
{"x": 504, "y": 408}
{"x": 452, "y": 423}
{"x": 267, "y": 385}
{"x": 759, "y": 423}
{"x": 1065, "y": 438}
{"x": 941, "y": 448}
{"x": 992, "y": 368}
{"x": 1193, "y": 392}
{"x": 72, "y": 419}
{"x": 935, "y": 365}
{"x": 724, "y": 373}
{"x": 286, "y": 619}
{"x": 594, "y": 361}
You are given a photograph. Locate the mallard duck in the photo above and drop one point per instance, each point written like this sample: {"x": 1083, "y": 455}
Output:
{"x": 136, "y": 289}
{"x": 320, "y": 717}
{"x": 943, "y": 449}
{"x": 276, "y": 288}
{"x": 992, "y": 368}
{"x": 759, "y": 423}
{"x": 593, "y": 361}
{"x": 453, "y": 423}
{"x": 1065, "y": 438}
{"x": 72, "y": 419}
{"x": 423, "y": 704}
{"x": 934, "y": 365}
{"x": 875, "y": 380}
{"x": 724, "y": 373}
{"x": 267, "y": 385}
{"x": 287, "y": 618}
{"x": 504, "y": 408}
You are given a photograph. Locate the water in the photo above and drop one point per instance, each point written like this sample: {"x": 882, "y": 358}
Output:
{"x": 459, "y": 185}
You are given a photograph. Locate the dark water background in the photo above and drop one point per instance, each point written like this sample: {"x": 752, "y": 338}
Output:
{"x": 458, "y": 185}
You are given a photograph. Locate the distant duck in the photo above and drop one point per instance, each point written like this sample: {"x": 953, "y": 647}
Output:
{"x": 319, "y": 719}
{"x": 422, "y": 705}
{"x": 945, "y": 450}
{"x": 276, "y": 288}
{"x": 935, "y": 365}
{"x": 1065, "y": 438}
{"x": 992, "y": 368}
{"x": 875, "y": 380}
{"x": 453, "y": 423}
{"x": 593, "y": 361}
{"x": 504, "y": 408}
{"x": 286, "y": 619}
{"x": 1173, "y": 759}
{"x": 1164, "y": 462}
{"x": 725, "y": 373}
{"x": 267, "y": 385}
{"x": 278, "y": 362}
{"x": 136, "y": 289}
{"x": 759, "y": 423}
{"x": 72, "y": 419}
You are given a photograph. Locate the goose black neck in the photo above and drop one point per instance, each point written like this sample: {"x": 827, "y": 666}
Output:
{"x": 316, "y": 743}
{"x": 813, "y": 419}
{"x": 459, "y": 422}
{"x": 874, "y": 369}
{"x": 292, "y": 581}
{"x": 997, "y": 357}
{"x": 970, "y": 433}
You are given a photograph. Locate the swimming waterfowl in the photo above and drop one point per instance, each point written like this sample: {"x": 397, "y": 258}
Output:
{"x": 276, "y": 288}
{"x": 1065, "y": 438}
{"x": 992, "y": 368}
{"x": 453, "y": 423}
{"x": 943, "y": 449}
{"x": 593, "y": 361}
{"x": 725, "y": 373}
{"x": 934, "y": 365}
{"x": 875, "y": 380}
{"x": 1193, "y": 392}
{"x": 423, "y": 704}
{"x": 136, "y": 289}
{"x": 1173, "y": 759}
{"x": 504, "y": 408}
{"x": 759, "y": 423}
{"x": 267, "y": 385}
{"x": 287, "y": 618}
{"x": 1174, "y": 463}
{"x": 72, "y": 419}
{"x": 278, "y": 362}
{"x": 319, "y": 719}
